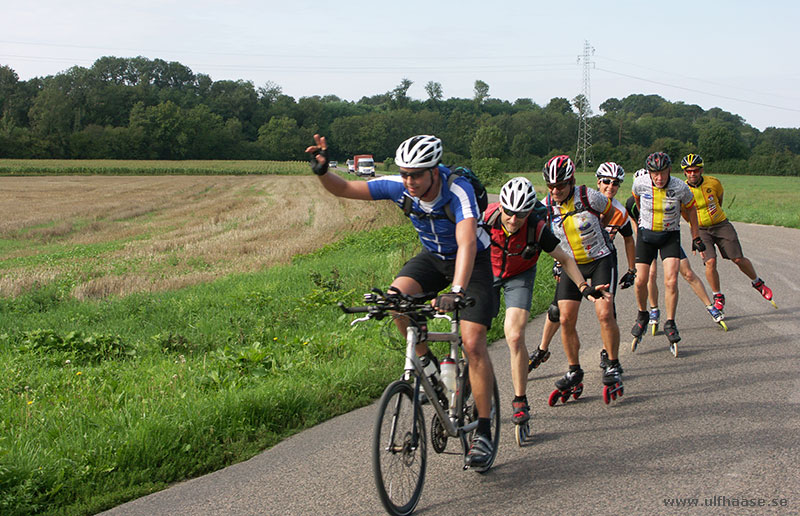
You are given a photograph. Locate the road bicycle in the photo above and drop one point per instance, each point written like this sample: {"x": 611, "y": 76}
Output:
{"x": 399, "y": 446}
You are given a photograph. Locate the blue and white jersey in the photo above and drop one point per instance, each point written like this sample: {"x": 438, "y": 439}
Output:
{"x": 436, "y": 233}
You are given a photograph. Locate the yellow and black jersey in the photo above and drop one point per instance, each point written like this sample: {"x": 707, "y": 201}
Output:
{"x": 708, "y": 196}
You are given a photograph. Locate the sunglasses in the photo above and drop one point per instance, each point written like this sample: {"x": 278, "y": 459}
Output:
{"x": 607, "y": 181}
{"x": 413, "y": 175}
{"x": 558, "y": 186}
{"x": 518, "y": 214}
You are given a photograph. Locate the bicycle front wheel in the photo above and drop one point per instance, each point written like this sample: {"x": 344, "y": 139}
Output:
{"x": 399, "y": 450}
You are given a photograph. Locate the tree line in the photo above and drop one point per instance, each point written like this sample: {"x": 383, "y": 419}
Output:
{"x": 138, "y": 108}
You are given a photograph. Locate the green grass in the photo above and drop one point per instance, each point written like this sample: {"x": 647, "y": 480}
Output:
{"x": 106, "y": 401}
{"x": 770, "y": 200}
{"x": 12, "y": 167}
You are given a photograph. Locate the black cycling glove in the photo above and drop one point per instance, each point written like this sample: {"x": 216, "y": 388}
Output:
{"x": 627, "y": 279}
{"x": 591, "y": 291}
{"x": 698, "y": 245}
{"x": 449, "y": 302}
{"x": 319, "y": 168}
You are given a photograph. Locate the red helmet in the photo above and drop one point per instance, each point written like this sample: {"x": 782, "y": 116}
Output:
{"x": 557, "y": 169}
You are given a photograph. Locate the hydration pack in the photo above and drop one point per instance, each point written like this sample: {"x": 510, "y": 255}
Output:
{"x": 481, "y": 196}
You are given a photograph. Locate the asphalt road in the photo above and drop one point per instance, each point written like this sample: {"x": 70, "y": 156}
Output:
{"x": 716, "y": 429}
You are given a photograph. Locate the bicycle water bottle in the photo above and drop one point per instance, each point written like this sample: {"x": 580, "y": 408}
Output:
{"x": 448, "y": 366}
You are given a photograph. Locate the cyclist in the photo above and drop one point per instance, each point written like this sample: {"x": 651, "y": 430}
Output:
{"x": 660, "y": 199}
{"x": 519, "y": 231}
{"x": 609, "y": 176}
{"x": 454, "y": 253}
{"x": 577, "y": 215}
{"x": 716, "y": 230}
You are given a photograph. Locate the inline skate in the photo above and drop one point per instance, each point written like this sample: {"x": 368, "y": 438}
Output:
{"x": 570, "y": 385}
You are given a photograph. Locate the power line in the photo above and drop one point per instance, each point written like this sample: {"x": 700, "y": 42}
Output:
{"x": 783, "y": 108}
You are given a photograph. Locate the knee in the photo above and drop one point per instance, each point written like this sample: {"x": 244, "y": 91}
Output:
{"x": 514, "y": 338}
{"x": 711, "y": 263}
{"x": 671, "y": 282}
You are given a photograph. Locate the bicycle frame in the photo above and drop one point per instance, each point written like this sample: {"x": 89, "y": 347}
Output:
{"x": 414, "y": 369}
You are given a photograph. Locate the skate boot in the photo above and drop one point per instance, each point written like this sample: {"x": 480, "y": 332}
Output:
{"x": 642, "y": 320}
{"x": 569, "y": 385}
{"x": 718, "y": 316}
{"x": 520, "y": 415}
{"x": 612, "y": 382}
{"x": 764, "y": 290}
{"x": 537, "y": 358}
{"x": 655, "y": 314}
{"x": 604, "y": 361}
{"x": 719, "y": 302}
{"x": 672, "y": 334}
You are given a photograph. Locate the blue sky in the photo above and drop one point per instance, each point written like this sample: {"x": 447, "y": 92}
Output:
{"x": 739, "y": 56}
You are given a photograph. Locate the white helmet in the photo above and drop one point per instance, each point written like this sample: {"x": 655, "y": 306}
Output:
{"x": 423, "y": 151}
{"x": 612, "y": 170}
{"x": 640, "y": 172}
{"x": 518, "y": 195}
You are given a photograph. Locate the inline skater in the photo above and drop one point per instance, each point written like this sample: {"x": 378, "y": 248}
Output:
{"x": 519, "y": 231}
{"x": 717, "y": 231}
{"x": 609, "y": 177}
{"x": 660, "y": 199}
{"x": 687, "y": 274}
{"x": 577, "y": 216}
{"x": 454, "y": 253}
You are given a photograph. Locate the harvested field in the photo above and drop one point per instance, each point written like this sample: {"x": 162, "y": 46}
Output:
{"x": 100, "y": 236}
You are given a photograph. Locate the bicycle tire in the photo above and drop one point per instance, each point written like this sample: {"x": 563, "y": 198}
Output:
{"x": 470, "y": 413}
{"x": 399, "y": 468}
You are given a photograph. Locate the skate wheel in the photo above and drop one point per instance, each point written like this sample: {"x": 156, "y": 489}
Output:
{"x": 606, "y": 394}
{"x": 653, "y": 329}
{"x": 522, "y": 433}
{"x": 724, "y": 326}
{"x": 673, "y": 348}
{"x": 621, "y": 390}
{"x": 635, "y": 344}
{"x": 564, "y": 397}
{"x": 577, "y": 391}
{"x": 553, "y": 399}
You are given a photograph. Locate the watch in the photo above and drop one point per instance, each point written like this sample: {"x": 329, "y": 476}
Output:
{"x": 456, "y": 289}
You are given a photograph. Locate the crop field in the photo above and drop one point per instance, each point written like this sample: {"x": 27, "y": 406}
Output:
{"x": 99, "y": 236}
{"x": 149, "y": 167}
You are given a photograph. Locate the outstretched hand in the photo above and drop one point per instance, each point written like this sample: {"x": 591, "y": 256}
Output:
{"x": 319, "y": 155}
{"x": 593, "y": 293}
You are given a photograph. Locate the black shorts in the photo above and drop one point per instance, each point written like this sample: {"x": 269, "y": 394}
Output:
{"x": 599, "y": 272}
{"x": 435, "y": 274}
{"x": 649, "y": 243}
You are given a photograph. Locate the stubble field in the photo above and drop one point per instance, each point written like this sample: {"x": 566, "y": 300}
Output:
{"x": 100, "y": 236}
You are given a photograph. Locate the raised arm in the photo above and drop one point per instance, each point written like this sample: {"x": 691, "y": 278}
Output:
{"x": 336, "y": 185}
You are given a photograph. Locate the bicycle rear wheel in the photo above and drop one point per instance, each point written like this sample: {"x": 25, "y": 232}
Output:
{"x": 470, "y": 413}
{"x": 398, "y": 459}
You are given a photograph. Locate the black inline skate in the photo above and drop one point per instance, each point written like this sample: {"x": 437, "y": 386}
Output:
{"x": 674, "y": 337}
{"x": 642, "y": 320}
{"x": 612, "y": 382}
{"x": 569, "y": 385}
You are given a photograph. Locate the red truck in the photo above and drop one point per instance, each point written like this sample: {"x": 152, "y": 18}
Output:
{"x": 364, "y": 165}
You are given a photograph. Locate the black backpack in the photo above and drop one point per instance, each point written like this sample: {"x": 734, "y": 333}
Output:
{"x": 481, "y": 195}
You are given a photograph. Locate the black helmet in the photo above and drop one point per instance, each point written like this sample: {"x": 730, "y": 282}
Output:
{"x": 691, "y": 160}
{"x": 657, "y": 161}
